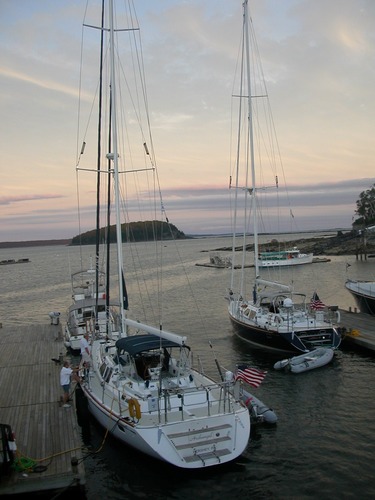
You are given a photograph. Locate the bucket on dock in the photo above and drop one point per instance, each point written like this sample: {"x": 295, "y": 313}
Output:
{"x": 55, "y": 318}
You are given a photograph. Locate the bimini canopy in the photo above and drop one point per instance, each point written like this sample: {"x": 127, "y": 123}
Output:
{"x": 142, "y": 343}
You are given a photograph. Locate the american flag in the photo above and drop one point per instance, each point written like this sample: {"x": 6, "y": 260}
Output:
{"x": 316, "y": 303}
{"x": 251, "y": 376}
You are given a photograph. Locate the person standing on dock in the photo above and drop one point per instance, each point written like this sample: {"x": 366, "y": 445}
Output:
{"x": 65, "y": 374}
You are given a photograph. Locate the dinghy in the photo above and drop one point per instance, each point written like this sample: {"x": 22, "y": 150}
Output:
{"x": 308, "y": 361}
{"x": 259, "y": 412}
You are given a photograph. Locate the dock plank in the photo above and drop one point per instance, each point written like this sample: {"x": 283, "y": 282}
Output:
{"x": 30, "y": 393}
{"x": 359, "y": 330}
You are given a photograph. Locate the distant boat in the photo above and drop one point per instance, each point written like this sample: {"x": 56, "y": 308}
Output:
{"x": 291, "y": 257}
{"x": 304, "y": 362}
{"x": 272, "y": 316}
{"x": 364, "y": 294}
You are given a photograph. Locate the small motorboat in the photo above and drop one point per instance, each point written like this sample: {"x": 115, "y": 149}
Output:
{"x": 308, "y": 361}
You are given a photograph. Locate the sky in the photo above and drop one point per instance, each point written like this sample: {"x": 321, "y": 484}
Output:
{"x": 318, "y": 58}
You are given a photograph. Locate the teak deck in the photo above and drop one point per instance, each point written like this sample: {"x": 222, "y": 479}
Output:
{"x": 30, "y": 394}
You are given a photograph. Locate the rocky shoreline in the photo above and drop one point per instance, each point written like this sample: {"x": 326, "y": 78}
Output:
{"x": 349, "y": 243}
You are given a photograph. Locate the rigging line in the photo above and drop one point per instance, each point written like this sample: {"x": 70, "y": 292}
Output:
{"x": 160, "y": 267}
{"x": 271, "y": 123}
{"x": 139, "y": 64}
{"x": 79, "y": 219}
{"x": 137, "y": 61}
{"x": 90, "y": 113}
{"x": 187, "y": 279}
{"x": 234, "y": 169}
{"x": 143, "y": 282}
{"x": 78, "y": 156}
{"x": 134, "y": 256}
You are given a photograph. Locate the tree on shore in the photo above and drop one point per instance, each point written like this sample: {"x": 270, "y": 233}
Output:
{"x": 366, "y": 208}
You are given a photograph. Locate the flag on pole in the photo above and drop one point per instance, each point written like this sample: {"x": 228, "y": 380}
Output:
{"x": 316, "y": 303}
{"x": 251, "y": 376}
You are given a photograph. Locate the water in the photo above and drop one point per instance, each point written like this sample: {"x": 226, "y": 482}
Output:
{"x": 322, "y": 445}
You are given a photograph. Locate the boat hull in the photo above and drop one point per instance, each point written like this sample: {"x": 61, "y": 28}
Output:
{"x": 276, "y": 342}
{"x": 261, "y": 339}
{"x": 185, "y": 444}
{"x": 306, "y": 362}
{"x": 364, "y": 294}
{"x": 302, "y": 259}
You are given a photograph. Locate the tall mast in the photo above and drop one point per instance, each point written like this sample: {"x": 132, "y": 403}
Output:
{"x": 114, "y": 157}
{"x": 251, "y": 139}
{"x": 98, "y": 175}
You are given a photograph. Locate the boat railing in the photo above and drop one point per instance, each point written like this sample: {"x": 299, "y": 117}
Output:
{"x": 188, "y": 406}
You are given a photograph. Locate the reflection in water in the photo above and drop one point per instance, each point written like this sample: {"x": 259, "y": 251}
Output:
{"x": 322, "y": 445}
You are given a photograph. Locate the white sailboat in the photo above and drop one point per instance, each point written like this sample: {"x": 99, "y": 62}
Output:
{"x": 89, "y": 313}
{"x": 144, "y": 387}
{"x": 270, "y": 316}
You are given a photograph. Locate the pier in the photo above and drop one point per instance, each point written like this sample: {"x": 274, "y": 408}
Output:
{"x": 48, "y": 457}
{"x": 359, "y": 330}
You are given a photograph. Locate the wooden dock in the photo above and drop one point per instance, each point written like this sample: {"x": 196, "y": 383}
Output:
{"x": 48, "y": 438}
{"x": 359, "y": 330}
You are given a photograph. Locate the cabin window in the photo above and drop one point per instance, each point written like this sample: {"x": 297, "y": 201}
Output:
{"x": 107, "y": 374}
{"x": 102, "y": 368}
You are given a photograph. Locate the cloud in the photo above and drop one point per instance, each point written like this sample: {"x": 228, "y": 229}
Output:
{"x": 320, "y": 79}
{"x": 196, "y": 210}
{"x": 9, "y": 200}
{"x": 46, "y": 84}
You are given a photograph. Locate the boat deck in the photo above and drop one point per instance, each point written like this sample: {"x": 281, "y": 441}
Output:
{"x": 360, "y": 330}
{"x": 47, "y": 435}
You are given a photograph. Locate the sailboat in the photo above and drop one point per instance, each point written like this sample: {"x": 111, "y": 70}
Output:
{"x": 144, "y": 387}
{"x": 274, "y": 317}
{"x": 89, "y": 312}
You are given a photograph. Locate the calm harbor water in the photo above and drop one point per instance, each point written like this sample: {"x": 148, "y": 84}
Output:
{"x": 322, "y": 446}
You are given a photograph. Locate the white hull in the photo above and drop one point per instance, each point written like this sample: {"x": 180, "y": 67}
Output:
{"x": 72, "y": 342}
{"x": 305, "y": 362}
{"x": 191, "y": 422}
{"x": 301, "y": 259}
{"x": 187, "y": 444}
{"x": 364, "y": 294}
{"x": 83, "y": 320}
